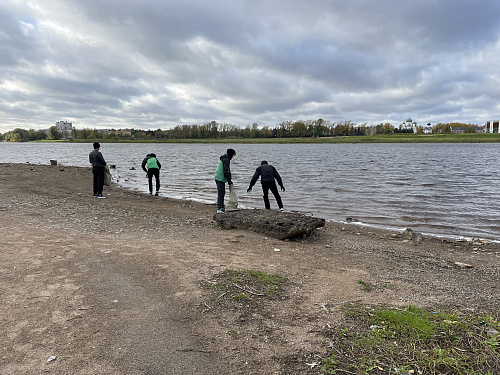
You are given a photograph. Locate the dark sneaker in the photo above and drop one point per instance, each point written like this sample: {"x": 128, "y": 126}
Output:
{"x": 156, "y": 193}
{"x": 101, "y": 196}
{"x": 94, "y": 196}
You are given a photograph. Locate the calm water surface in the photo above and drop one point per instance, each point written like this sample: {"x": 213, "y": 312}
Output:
{"x": 440, "y": 189}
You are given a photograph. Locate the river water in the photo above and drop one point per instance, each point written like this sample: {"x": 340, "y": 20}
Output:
{"x": 450, "y": 190}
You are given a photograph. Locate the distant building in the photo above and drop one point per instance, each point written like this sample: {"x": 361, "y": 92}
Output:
{"x": 466, "y": 129}
{"x": 427, "y": 128}
{"x": 123, "y": 132}
{"x": 409, "y": 126}
{"x": 65, "y": 128}
{"x": 459, "y": 129}
{"x": 491, "y": 127}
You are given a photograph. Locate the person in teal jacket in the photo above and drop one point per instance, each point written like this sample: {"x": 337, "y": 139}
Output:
{"x": 223, "y": 175}
{"x": 153, "y": 169}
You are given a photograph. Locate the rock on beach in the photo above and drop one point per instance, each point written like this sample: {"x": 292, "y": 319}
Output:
{"x": 278, "y": 224}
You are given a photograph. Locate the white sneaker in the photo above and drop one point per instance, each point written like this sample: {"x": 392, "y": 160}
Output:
{"x": 101, "y": 196}
{"x": 220, "y": 211}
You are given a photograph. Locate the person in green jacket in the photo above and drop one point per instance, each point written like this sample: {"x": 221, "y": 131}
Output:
{"x": 153, "y": 169}
{"x": 223, "y": 175}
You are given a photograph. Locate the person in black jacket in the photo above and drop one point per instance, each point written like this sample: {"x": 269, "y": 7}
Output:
{"x": 98, "y": 163}
{"x": 267, "y": 175}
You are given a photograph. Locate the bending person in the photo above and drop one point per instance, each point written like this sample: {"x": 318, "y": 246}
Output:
{"x": 267, "y": 175}
{"x": 153, "y": 169}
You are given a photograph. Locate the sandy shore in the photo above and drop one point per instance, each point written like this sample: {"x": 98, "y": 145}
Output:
{"x": 116, "y": 285}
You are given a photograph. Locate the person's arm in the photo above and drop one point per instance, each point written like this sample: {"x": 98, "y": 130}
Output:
{"x": 158, "y": 162}
{"x": 227, "y": 173}
{"x": 254, "y": 179}
{"x": 278, "y": 178}
{"x": 143, "y": 165}
{"x": 101, "y": 159}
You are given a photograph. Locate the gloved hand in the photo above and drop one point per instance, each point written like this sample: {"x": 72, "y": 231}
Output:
{"x": 230, "y": 182}
{"x": 249, "y": 190}
{"x": 147, "y": 175}
{"x": 282, "y": 188}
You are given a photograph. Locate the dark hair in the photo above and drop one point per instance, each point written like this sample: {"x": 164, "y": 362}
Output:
{"x": 263, "y": 162}
{"x": 96, "y": 145}
{"x": 230, "y": 152}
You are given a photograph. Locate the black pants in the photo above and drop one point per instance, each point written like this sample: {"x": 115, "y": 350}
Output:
{"x": 98, "y": 173}
{"x": 221, "y": 191}
{"x": 271, "y": 185}
{"x": 154, "y": 172}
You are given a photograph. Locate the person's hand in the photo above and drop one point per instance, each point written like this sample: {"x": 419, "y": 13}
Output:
{"x": 249, "y": 190}
{"x": 282, "y": 188}
{"x": 147, "y": 175}
{"x": 230, "y": 182}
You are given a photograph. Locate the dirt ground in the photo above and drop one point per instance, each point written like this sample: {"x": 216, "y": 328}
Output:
{"x": 119, "y": 285}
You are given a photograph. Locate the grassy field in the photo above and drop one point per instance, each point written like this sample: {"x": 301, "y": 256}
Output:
{"x": 400, "y": 138}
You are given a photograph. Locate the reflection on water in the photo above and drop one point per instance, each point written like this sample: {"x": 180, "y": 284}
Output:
{"x": 449, "y": 189}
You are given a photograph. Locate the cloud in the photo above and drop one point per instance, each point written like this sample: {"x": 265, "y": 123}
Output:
{"x": 156, "y": 63}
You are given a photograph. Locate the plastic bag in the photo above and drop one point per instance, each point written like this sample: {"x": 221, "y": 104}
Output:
{"x": 232, "y": 204}
{"x": 107, "y": 175}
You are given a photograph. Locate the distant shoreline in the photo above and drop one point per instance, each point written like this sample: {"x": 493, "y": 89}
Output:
{"x": 399, "y": 138}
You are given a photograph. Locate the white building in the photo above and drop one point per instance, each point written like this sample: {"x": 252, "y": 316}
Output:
{"x": 409, "y": 125}
{"x": 428, "y": 128}
{"x": 65, "y": 128}
{"x": 492, "y": 127}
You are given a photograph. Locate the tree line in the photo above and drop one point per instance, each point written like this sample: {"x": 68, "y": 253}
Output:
{"x": 214, "y": 130}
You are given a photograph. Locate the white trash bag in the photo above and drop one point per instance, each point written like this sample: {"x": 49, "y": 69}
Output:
{"x": 232, "y": 204}
{"x": 107, "y": 176}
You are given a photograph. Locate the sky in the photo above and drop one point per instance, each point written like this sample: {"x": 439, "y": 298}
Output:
{"x": 155, "y": 64}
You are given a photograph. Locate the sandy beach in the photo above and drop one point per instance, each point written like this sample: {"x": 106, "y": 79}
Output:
{"x": 119, "y": 285}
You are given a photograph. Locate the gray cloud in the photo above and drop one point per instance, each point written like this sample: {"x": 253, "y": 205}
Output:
{"x": 157, "y": 64}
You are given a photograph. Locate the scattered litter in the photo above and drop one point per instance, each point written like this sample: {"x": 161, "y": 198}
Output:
{"x": 328, "y": 246}
{"x": 372, "y": 327}
{"x": 105, "y": 251}
{"x": 115, "y": 301}
{"x": 51, "y": 358}
{"x": 277, "y": 249}
{"x": 463, "y": 265}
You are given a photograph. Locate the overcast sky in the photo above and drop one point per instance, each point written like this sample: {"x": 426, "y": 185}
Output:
{"x": 159, "y": 63}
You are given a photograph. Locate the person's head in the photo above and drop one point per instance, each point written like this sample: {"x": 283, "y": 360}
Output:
{"x": 151, "y": 155}
{"x": 97, "y": 146}
{"x": 231, "y": 153}
{"x": 263, "y": 162}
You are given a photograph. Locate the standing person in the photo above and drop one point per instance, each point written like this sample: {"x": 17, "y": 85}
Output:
{"x": 223, "y": 175}
{"x": 267, "y": 175}
{"x": 153, "y": 169}
{"x": 98, "y": 163}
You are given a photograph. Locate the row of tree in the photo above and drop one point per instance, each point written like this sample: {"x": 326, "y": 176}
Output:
{"x": 213, "y": 129}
